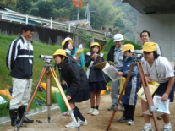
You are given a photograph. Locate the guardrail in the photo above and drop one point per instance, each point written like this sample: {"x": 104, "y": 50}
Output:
{"x": 47, "y": 21}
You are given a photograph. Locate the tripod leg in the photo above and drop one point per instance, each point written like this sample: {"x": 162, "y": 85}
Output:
{"x": 121, "y": 95}
{"x": 148, "y": 94}
{"x": 35, "y": 89}
{"x": 49, "y": 94}
{"x": 49, "y": 114}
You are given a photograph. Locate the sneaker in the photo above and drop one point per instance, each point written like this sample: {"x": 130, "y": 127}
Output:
{"x": 82, "y": 122}
{"x": 95, "y": 112}
{"x": 111, "y": 108}
{"x": 91, "y": 110}
{"x": 167, "y": 128}
{"x": 147, "y": 129}
{"x": 72, "y": 125}
{"x": 130, "y": 122}
{"x": 159, "y": 118}
{"x": 65, "y": 113}
{"x": 122, "y": 119}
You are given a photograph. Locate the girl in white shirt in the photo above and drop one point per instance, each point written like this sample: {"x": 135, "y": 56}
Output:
{"x": 157, "y": 68}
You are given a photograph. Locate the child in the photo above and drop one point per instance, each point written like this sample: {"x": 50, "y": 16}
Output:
{"x": 77, "y": 82}
{"x": 71, "y": 50}
{"x": 95, "y": 76}
{"x": 157, "y": 68}
{"x": 130, "y": 98}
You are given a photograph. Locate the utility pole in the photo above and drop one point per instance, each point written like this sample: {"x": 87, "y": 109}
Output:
{"x": 88, "y": 14}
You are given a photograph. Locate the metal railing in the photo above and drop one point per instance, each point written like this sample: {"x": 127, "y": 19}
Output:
{"x": 47, "y": 21}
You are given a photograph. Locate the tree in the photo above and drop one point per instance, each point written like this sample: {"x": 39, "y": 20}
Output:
{"x": 106, "y": 14}
{"x": 34, "y": 11}
{"x": 45, "y": 8}
{"x": 129, "y": 19}
{"x": 23, "y": 6}
{"x": 8, "y": 3}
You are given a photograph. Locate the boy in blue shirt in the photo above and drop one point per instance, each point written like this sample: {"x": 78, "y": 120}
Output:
{"x": 130, "y": 98}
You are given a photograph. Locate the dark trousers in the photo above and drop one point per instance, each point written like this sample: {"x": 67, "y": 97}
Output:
{"x": 129, "y": 112}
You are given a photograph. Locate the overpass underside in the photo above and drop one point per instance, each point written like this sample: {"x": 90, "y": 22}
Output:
{"x": 153, "y": 6}
{"x": 158, "y": 17}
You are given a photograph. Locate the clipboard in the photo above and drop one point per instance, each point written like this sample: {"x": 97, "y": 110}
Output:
{"x": 101, "y": 65}
{"x": 78, "y": 53}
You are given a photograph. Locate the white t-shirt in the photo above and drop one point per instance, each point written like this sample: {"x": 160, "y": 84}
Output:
{"x": 160, "y": 71}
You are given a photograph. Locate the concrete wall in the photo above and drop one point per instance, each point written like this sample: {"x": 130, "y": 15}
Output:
{"x": 42, "y": 34}
{"x": 162, "y": 29}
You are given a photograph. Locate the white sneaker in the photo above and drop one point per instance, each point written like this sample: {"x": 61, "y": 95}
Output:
{"x": 167, "y": 128}
{"x": 91, "y": 110}
{"x": 83, "y": 122}
{"x": 130, "y": 122}
{"x": 147, "y": 129}
{"x": 95, "y": 112}
{"x": 72, "y": 125}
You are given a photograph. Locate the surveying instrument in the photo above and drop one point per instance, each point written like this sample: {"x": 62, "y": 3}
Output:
{"x": 49, "y": 71}
{"x": 137, "y": 62}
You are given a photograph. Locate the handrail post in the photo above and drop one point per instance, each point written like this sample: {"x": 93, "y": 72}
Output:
{"x": 26, "y": 19}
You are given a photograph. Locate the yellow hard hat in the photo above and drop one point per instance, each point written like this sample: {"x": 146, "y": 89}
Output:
{"x": 59, "y": 52}
{"x": 149, "y": 47}
{"x": 127, "y": 47}
{"x": 67, "y": 39}
{"x": 96, "y": 44}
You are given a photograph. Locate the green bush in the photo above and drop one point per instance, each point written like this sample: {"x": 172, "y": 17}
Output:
{"x": 111, "y": 43}
{"x": 108, "y": 45}
{"x": 87, "y": 38}
{"x": 136, "y": 47}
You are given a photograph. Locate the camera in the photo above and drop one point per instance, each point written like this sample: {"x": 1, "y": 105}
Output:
{"x": 47, "y": 59}
{"x": 137, "y": 53}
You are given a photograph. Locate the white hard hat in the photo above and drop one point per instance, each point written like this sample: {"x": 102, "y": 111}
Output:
{"x": 118, "y": 37}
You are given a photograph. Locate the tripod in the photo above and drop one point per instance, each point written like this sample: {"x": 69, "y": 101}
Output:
{"x": 49, "y": 71}
{"x": 144, "y": 82}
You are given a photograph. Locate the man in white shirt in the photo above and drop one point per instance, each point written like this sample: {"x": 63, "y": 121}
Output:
{"x": 145, "y": 37}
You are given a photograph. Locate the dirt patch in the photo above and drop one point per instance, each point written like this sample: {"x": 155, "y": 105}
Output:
{"x": 95, "y": 123}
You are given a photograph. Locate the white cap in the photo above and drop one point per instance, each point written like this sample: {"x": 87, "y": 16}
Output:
{"x": 118, "y": 37}
{"x": 67, "y": 39}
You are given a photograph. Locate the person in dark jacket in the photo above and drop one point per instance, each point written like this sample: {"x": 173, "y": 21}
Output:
{"x": 115, "y": 55}
{"x": 95, "y": 76}
{"x": 129, "y": 99}
{"x": 70, "y": 49}
{"x": 20, "y": 61}
{"x": 76, "y": 80}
